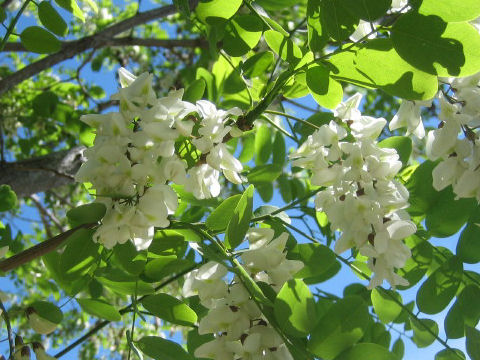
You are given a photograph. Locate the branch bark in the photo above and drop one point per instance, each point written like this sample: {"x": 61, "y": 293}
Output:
{"x": 42, "y": 173}
{"x": 124, "y": 41}
{"x": 90, "y": 42}
{"x": 39, "y": 250}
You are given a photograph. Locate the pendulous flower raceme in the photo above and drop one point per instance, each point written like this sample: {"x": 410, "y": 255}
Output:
{"x": 459, "y": 155}
{"x": 361, "y": 198}
{"x": 241, "y": 331}
{"x": 136, "y": 155}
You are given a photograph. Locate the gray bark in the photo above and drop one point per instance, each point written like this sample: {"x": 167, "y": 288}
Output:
{"x": 42, "y": 173}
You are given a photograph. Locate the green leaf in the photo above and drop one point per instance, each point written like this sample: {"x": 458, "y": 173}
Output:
{"x": 385, "y": 307}
{"x": 367, "y": 351}
{"x": 39, "y": 40}
{"x": 51, "y": 19}
{"x": 278, "y": 150}
{"x": 326, "y": 91}
{"x": 72, "y": 7}
{"x": 454, "y": 324}
{"x": 421, "y": 336}
{"x": 398, "y": 348}
{"x": 8, "y": 198}
{"x": 171, "y": 309}
{"x": 378, "y": 61}
{"x": 436, "y": 47}
{"x": 473, "y": 342}
{"x": 48, "y": 311}
{"x": 440, "y": 287}
{"x": 416, "y": 266}
{"x": 317, "y": 39}
{"x": 294, "y": 308}
{"x": 240, "y": 221}
{"x": 343, "y": 325}
{"x": 336, "y": 20}
{"x": 129, "y": 258}
{"x": 263, "y": 144}
{"x": 468, "y": 246}
{"x": 242, "y": 35}
{"x": 448, "y": 215}
{"x": 450, "y": 354}
{"x": 195, "y": 91}
{"x": 220, "y": 217}
{"x": 283, "y": 47}
{"x": 317, "y": 259}
{"x": 402, "y": 144}
{"x": 100, "y": 308}
{"x": 258, "y": 64}
{"x": 194, "y": 340}
{"x": 161, "y": 349}
{"x": 210, "y": 11}
{"x": 79, "y": 254}
{"x": 167, "y": 242}
{"x": 367, "y": 10}
{"x": 3, "y": 15}
{"x": 451, "y": 10}
{"x": 86, "y": 214}
{"x": 45, "y": 103}
{"x": 123, "y": 283}
{"x": 264, "y": 173}
{"x": 469, "y": 304}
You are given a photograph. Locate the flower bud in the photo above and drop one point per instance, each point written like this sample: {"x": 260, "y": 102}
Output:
{"x": 40, "y": 353}
{"x": 39, "y": 324}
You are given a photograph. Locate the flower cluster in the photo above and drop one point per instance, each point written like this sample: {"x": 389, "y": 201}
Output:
{"x": 134, "y": 158}
{"x": 240, "y": 329}
{"x": 460, "y": 157}
{"x": 362, "y": 199}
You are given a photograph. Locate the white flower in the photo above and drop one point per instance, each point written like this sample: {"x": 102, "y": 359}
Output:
{"x": 363, "y": 29}
{"x": 202, "y": 182}
{"x": 348, "y": 109}
{"x": 368, "y": 127}
{"x": 409, "y": 116}
{"x": 220, "y": 158}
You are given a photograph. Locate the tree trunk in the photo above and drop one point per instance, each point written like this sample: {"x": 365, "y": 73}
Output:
{"x": 42, "y": 173}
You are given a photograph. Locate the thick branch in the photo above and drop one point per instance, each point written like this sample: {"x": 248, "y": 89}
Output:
{"x": 42, "y": 173}
{"x": 90, "y": 42}
{"x": 38, "y": 250}
{"x": 124, "y": 41}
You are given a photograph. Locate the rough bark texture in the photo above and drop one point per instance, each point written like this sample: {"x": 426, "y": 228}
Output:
{"x": 40, "y": 174}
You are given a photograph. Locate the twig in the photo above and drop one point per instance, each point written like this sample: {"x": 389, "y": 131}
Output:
{"x": 9, "y": 329}
{"x": 40, "y": 249}
{"x": 44, "y": 211}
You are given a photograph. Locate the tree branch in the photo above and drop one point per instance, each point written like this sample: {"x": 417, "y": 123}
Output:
{"x": 39, "y": 250}
{"x": 90, "y": 42}
{"x": 42, "y": 173}
{"x": 44, "y": 212}
{"x": 123, "y": 41}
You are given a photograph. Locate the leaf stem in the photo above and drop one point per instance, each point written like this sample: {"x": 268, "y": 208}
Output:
{"x": 12, "y": 24}
{"x": 6, "y": 317}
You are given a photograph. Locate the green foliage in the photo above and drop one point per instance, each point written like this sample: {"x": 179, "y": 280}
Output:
{"x": 100, "y": 308}
{"x": 240, "y": 220}
{"x": 424, "y": 331}
{"x": 168, "y": 308}
{"x": 294, "y": 308}
{"x": 385, "y": 306}
{"x": 51, "y": 19}
{"x": 161, "y": 349}
{"x": 436, "y": 47}
{"x": 39, "y": 40}
{"x": 220, "y": 217}
{"x": 342, "y": 326}
{"x": 366, "y": 351}
{"x": 326, "y": 91}
{"x": 86, "y": 214}
{"x": 317, "y": 259}
{"x": 48, "y": 311}
{"x": 450, "y": 11}
{"x": 211, "y": 11}
{"x": 473, "y": 342}
{"x": 440, "y": 287}
{"x": 8, "y": 198}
